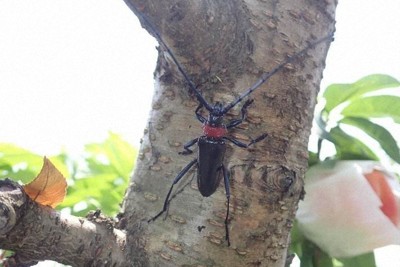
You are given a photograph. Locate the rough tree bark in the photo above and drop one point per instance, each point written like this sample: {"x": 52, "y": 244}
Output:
{"x": 224, "y": 46}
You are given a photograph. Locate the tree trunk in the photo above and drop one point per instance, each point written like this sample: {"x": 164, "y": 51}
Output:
{"x": 224, "y": 47}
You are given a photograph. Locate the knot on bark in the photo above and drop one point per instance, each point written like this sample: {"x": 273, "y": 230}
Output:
{"x": 12, "y": 198}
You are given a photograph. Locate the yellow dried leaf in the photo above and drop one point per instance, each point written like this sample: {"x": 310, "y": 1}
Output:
{"x": 49, "y": 187}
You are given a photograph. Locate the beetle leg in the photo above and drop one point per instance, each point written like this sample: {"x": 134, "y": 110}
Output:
{"x": 176, "y": 180}
{"x": 198, "y": 115}
{"x": 236, "y": 122}
{"x": 228, "y": 195}
{"x": 188, "y": 151}
{"x": 243, "y": 145}
{"x": 258, "y": 139}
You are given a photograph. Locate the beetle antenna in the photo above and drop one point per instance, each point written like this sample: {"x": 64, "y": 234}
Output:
{"x": 265, "y": 77}
{"x": 153, "y": 30}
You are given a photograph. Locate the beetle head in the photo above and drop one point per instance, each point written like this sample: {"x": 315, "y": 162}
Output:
{"x": 216, "y": 115}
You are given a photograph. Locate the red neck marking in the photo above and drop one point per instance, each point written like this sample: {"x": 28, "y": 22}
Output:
{"x": 215, "y": 132}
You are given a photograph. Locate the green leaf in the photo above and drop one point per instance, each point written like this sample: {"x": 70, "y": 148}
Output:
{"x": 365, "y": 260}
{"x": 374, "y": 107}
{"x": 310, "y": 255}
{"x": 307, "y": 253}
{"x": 119, "y": 154}
{"x": 379, "y": 133}
{"x": 313, "y": 256}
{"x": 103, "y": 184}
{"x": 313, "y": 158}
{"x": 22, "y": 175}
{"x": 98, "y": 191}
{"x": 25, "y": 164}
{"x": 336, "y": 94}
{"x": 348, "y": 147}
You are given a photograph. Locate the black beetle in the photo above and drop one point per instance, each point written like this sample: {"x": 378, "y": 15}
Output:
{"x": 211, "y": 152}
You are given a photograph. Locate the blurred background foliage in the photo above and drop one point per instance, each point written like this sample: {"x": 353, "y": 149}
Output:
{"x": 356, "y": 121}
{"x": 358, "y": 118}
{"x": 96, "y": 180}
{"x": 353, "y": 121}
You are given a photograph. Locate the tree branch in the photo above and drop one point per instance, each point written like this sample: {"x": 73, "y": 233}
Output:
{"x": 35, "y": 232}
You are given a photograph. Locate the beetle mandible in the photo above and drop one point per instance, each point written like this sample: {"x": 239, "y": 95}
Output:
{"x": 212, "y": 144}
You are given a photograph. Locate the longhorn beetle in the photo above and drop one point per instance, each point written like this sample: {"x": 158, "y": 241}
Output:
{"x": 212, "y": 144}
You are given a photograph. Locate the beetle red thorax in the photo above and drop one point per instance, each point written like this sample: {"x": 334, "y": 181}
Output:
{"x": 214, "y": 132}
